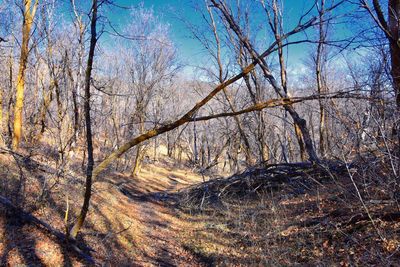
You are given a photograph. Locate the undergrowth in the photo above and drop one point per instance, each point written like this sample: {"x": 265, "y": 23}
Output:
{"x": 347, "y": 218}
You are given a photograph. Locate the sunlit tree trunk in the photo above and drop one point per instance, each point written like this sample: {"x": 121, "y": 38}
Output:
{"x": 137, "y": 165}
{"x": 28, "y": 16}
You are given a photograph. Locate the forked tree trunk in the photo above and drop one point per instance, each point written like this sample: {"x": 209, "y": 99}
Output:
{"x": 247, "y": 148}
{"x": 276, "y": 25}
{"x": 29, "y": 14}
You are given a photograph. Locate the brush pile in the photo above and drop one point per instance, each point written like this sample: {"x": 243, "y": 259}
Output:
{"x": 262, "y": 178}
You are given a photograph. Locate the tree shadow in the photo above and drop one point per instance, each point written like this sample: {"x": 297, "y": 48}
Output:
{"x": 19, "y": 232}
{"x": 24, "y": 244}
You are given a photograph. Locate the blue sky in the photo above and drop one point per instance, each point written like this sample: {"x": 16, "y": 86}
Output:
{"x": 169, "y": 10}
{"x": 188, "y": 48}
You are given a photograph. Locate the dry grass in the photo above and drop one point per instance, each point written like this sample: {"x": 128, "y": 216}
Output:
{"x": 314, "y": 225}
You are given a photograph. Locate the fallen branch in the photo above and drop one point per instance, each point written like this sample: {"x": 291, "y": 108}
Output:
{"x": 187, "y": 117}
{"x": 263, "y": 177}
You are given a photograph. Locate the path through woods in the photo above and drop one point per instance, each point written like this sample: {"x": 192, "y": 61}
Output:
{"x": 132, "y": 221}
{"x": 160, "y": 219}
{"x": 137, "y": 222}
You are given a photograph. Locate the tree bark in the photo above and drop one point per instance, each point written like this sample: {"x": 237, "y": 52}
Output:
{"x": 321, "y": 85}
{"x": 394, "y": 28}
{"x": 29, "y": 14}
{"x": 90, "y": 163}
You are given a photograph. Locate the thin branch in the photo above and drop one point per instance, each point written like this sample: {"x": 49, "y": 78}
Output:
{"x": 281, "y": 102}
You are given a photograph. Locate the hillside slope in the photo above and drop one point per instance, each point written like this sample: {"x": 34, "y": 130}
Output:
{"x": 130, "y": 221}
{"x": 167, "y": 216}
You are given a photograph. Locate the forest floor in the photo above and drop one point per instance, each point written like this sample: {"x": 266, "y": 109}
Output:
{"x": 143, "y": 221}
{"x": 132, "y": 221}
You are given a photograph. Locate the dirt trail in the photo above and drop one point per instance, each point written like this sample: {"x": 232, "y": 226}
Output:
{"x": 131, "y": 221}
{"x": 160, "y": 223}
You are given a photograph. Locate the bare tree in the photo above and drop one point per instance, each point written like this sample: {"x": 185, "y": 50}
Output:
{"x": 150, "y": 62}
{"x": 226, "y": 14}
{"x": 89, "y": 142}
{"x": 390, "y": 27}
{"x": 29, "y": 11}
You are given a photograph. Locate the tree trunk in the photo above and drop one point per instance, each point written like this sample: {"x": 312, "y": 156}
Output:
{"x": 394, "y": 28}
{"x": 195, "y": 156}
{"x": 47, "y": 98}
{"x": 247, "y": 148}
{"x": 138, "y": 161}
{"x": 29, "y": 13}
{"x": 140, "y": 151}
{"x": 10, "y": 98}
{"x": 89, "y": 170}
{"x": 1, "y": 116}
{"x": 321, "y": 84}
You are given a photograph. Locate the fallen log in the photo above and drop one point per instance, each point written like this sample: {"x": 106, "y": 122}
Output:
{"x": 26, "y": 217}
